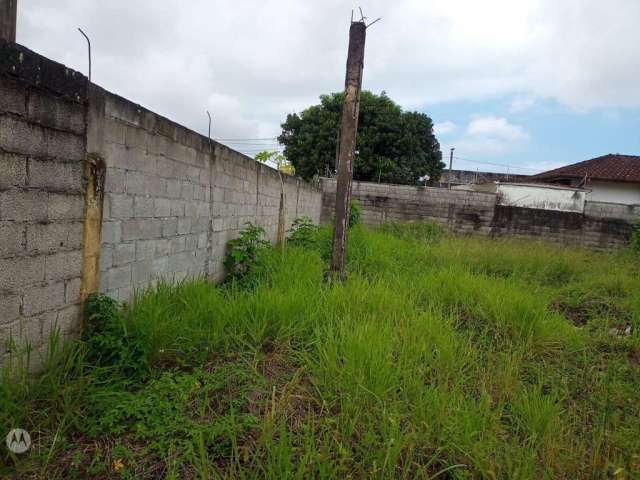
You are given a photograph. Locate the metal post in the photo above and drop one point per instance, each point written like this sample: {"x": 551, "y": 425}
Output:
{"x": 450, "y": 166}
{"x": 8, "y": 19}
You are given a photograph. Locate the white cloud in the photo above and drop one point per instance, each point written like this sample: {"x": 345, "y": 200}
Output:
{"x": 445, "y": 128}
{"x": 497, "y": 128}
{"x": 253, "y": 62}
{"x": 521, "y": 103}
{"x": 489, "y": 136}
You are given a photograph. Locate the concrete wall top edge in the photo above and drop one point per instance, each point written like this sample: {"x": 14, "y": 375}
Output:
{"x": 122, "y": 109}
{"x": 38, "y": 71}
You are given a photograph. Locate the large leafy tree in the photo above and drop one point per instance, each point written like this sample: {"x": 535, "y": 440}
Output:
{"x": 393, "y": 146}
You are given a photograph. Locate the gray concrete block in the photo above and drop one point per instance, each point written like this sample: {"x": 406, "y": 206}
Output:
{"x": 174, "y": 188}
{"x": 12, "y": 96}
{"x": 63, "y": 265}
{"x": 23, "y": 205}
{"x": 142, "y": 271}
{"x": 111, "y": 232}
{"x": 169, "y": 227}
{"x": 144, "y": 207}
{"x": 56, "y": 176}
{"x": 145, "y": 249}
{"x": 65, "y": 146}
{"x": 115, "y": 180}
{"x": 117, "y": 156}
{"x": 41, "y": 298}
{"x": 9, "y": 308}
{"x": 72, "y": 290}
{"x": 19, "y": 271}
{"x": 177, "y": 208}
{"x": 124, "y": 253}
{"x": 13, "y": 170}
{"x": 12, "y": 238}
{"x": 63, "y": 206}
{"x": 162, "y": 207}
{"x": 119, "y": 277}
{"x": 135, "y": 183}
{"x": 54, "y": 112}
{"x": 50, "y": 237}
{"x": 146, "y": 228}
{"x": 121, "y": 206}
{"x": 184, "y": 225}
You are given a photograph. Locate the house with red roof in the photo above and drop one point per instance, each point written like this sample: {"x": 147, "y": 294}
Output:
{"x": 611, "y": 178}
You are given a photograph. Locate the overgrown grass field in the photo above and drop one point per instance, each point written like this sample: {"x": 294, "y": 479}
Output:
{"x": 440, "y": 357}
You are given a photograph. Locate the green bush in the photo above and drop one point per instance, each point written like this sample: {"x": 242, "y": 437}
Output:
{"x": 635, "y": 239}
{"x": 109, "y": 344}
{"x": 243, "y": 251}
{"x": 302, "y": 232}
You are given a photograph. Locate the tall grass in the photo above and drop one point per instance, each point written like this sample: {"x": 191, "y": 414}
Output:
{"x": 440, "y": 357}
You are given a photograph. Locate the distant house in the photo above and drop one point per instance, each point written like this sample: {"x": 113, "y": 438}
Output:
{"x": 611, "y": 178}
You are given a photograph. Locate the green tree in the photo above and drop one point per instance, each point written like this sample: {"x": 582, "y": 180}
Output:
{"x": 393, "y": 146}
{"x": 278, "y": 159}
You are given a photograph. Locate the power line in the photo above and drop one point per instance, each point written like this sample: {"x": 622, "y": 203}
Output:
{"x": 496, "y": 164}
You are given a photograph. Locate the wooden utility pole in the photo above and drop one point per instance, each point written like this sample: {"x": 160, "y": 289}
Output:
{"x": 348, "y": 131}
{"x": 8, "y": 19}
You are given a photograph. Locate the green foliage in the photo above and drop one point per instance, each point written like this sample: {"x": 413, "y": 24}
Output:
{"x": 109, "y": 344}
{"x": 393, "y": 146}
{"x": 302, "y": 232}
{"x": 421, "y": 231}
{"x": 280, "y": 161}
{"x": 355, "y": 212}
{"x": 243, "y": 252}
{"x": 635, "y": 238}
{"x": 458, "y": 358}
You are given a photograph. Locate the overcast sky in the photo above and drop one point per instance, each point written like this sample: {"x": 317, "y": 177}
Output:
{"x": 529, "y": 84}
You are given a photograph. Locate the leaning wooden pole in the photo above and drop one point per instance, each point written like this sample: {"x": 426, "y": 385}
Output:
{"x": 348, "y": 131}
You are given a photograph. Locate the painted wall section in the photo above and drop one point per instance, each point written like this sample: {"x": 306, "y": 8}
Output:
{"x": 614, "y": 192}
{"x": 544, "y": 197}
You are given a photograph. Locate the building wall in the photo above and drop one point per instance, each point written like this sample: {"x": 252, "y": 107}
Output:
{"x": 541, "y": 197}
{"x": 42, "y": 151}
{"x": 614, "y": 192}
{"x": 599, "y": 226}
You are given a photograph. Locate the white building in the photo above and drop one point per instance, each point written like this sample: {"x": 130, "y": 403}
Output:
{"x": 611, "y": 178}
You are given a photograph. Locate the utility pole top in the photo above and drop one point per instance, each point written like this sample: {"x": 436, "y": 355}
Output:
{"x": 8, "y": 19}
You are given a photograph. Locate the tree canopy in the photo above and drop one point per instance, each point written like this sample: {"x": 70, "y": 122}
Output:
{"x": 393, "y": 146}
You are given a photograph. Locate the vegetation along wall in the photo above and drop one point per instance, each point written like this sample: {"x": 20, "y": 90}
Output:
{"x": 100, "y": 194}
{"x": 600, "y": 226}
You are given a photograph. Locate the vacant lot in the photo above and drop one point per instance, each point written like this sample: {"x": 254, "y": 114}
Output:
{"x": 440, "y": 357}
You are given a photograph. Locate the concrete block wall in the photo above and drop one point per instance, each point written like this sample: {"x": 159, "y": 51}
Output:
{"x": 459, "y": 211}
{"x": 42, "y": 151}
{"x": 173, "y": 199}
{"x": 602, "y": 226}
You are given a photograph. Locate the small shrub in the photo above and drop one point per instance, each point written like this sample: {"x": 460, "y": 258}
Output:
{"x": 302, "y": 232}
{"x": 635, "y": 238}
{"x": 109, "y": 344}
{"x": 243, "y": 251}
